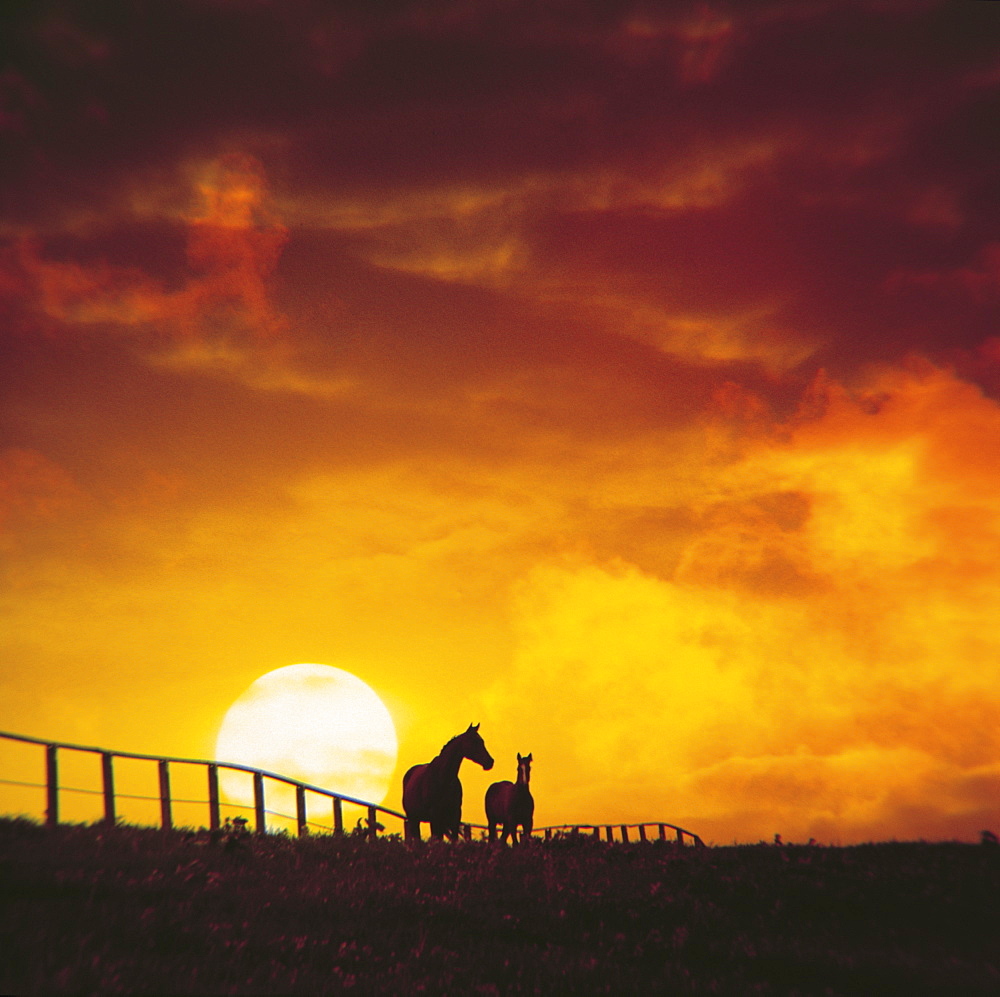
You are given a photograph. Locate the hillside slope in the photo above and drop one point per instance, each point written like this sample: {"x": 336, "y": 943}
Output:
{"x": 89, "y": 909}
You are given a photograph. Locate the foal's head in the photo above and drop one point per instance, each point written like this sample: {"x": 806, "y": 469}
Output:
{"x": 474, "y": 749}
{"x": 524, "y": 768}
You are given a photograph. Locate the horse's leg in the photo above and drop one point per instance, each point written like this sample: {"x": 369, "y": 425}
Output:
{"x": 451, "y": 825}
{"x": 412, "y": 830}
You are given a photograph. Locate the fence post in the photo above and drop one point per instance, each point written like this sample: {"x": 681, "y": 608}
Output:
{"x": 258, "y": 802}
{"x": 214, "y": 821}
{"x": 663, "y": 832}
{"x": 338, "y": 815}
{"x": 166, "y": 818}
{"x": 642, "y": 832}
{"x": 680, "y": 838}
{"x": 300, "y": 809}
{"x": 372, "y": 823}
{"x": 52, "y": 785}
{"x": 109, "y": 786}
{"x": 611, "y": 836}
{"x": 625, "y": 833}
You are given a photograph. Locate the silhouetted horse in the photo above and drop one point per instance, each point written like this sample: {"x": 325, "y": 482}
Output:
{"x": 432, "y": 792}
{"x": 511, "y": 804}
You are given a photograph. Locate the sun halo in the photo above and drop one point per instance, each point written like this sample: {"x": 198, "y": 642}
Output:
{"x": 313, "y": 723}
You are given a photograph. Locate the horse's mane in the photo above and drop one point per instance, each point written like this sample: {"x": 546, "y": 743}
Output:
{"x": 452, "y": 740}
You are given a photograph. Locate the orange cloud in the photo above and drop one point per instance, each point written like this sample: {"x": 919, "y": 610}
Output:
{"x": 233, "y": 245}
{"x": 821, "y": 661}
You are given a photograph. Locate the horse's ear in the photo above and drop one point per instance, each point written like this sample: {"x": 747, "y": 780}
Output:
{"x": 473, "y": 726}
{"x": 528, "y": 757}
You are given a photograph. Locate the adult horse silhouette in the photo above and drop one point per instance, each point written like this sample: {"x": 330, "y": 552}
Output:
{"x": 511, "y": 804}
{"x": 432, "y": 792}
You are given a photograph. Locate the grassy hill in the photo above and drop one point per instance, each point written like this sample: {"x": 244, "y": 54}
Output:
{"x": 90, "y": 909}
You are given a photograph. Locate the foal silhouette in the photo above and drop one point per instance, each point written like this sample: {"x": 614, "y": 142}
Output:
{"x": 432, "y": 792}
{"x": 511, "y": 804}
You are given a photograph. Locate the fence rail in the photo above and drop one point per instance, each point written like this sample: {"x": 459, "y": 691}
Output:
{"x": 371, "y": 826}
{"x": 680, "y": 833}
{"x": 214, "y": 800}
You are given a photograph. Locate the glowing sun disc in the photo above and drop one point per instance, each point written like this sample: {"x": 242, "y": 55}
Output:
{"x": 313, "y": 723}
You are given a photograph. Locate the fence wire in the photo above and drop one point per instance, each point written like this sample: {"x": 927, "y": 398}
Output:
{"x": 304, "y": 822}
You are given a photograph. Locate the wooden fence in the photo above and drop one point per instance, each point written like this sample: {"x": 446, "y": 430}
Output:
{"x": 370, "y": 827}
{"x": 642, "y": 834}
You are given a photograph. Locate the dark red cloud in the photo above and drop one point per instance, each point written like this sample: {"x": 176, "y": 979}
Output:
{"x": 814, "y": 180}
{"x": 401, "y": 93}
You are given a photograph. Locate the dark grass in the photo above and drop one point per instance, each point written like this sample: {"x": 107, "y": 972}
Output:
{"x": 91, "y": 909}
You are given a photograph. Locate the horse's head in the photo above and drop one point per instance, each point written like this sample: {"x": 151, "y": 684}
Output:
{"x": 524, "y": 768}
{"x": 474, "y": 749}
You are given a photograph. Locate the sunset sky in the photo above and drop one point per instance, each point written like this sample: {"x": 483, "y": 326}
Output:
{"x": 623, "y": 377}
